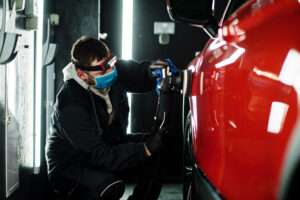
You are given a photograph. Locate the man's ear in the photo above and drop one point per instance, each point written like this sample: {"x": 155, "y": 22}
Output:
{"x": 81, "y": 74}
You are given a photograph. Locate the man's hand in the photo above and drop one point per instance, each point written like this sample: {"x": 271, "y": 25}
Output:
{"x": 162, "y": 69}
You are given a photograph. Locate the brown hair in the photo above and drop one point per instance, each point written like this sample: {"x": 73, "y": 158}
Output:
{"x": 86, "y": 49}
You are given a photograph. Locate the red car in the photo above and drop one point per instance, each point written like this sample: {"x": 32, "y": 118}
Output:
{"x": 242, "y": 136}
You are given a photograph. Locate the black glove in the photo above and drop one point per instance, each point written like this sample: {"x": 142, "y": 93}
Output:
{"x": 154, "y": 142}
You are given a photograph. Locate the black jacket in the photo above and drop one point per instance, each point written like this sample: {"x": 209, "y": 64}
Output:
{"x": 75, "y": 141}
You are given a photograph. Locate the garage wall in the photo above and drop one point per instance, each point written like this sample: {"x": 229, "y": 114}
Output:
{"x": 77, "y": 18}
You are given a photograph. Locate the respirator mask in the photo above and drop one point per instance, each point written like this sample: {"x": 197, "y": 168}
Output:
{"x": 107, "y": 78}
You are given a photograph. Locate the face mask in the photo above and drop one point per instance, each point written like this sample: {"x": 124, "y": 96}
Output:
{"x": 106, "y": 80}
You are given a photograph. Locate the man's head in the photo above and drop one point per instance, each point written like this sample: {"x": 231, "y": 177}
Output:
{"x": 93, "y": 61}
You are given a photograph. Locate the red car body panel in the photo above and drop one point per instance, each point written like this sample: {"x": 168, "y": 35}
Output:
{"x": 244, "y": 99}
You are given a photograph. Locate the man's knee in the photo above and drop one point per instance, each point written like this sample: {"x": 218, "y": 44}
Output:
{"x": 113, "y": 191}
{"x": 101, "y": 185}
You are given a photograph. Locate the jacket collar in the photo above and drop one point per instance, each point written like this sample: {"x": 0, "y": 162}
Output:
{"x": 69, "y": 72}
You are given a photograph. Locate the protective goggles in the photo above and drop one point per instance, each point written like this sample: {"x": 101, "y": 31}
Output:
{"x": 109, "y": 63}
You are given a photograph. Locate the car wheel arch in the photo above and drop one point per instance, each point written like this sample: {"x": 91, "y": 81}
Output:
{"x": 291, "y": 164}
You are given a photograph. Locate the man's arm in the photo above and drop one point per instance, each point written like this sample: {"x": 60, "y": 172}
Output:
{"x": 82, "y": 132}
{"x": 135, "y": 77}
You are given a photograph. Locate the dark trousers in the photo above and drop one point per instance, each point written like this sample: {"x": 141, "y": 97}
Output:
{"x": 147, "y": 176}
{"x": 148, "y": 179}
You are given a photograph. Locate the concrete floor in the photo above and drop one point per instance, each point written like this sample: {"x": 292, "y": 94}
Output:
{"x": 169, "y": 192}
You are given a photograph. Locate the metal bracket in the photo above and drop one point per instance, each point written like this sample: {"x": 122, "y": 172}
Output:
{"x": 50, "y": 54}
{"x": 49, "y": 49}
{"x": 8, "y": 46}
